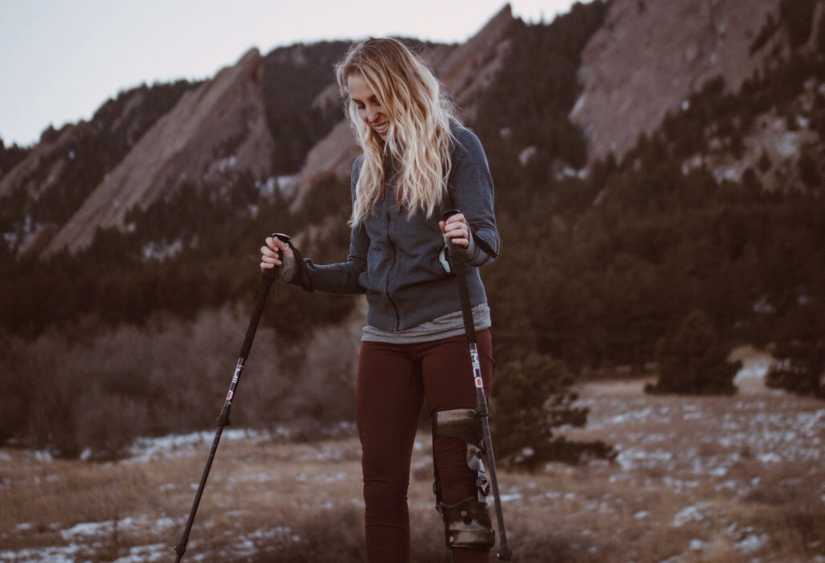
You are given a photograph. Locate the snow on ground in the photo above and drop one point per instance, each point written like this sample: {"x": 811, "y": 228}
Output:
{"x": 184, "y": 445}
{"x": 91, "y": 529}
{"x": 324, "y": 453}
{"x": 139, "y": 553}
{"x": 748, "y": 429}
{"x": 84, "y": 537}
{"x": 248, "y": 544}
{"x": 62, "y": 554}
{"x": 321, "y": 477}
{"x": 688, "y": 514}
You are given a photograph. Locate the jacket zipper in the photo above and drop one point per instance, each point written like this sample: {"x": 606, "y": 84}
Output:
{"x": 387, "y": 286}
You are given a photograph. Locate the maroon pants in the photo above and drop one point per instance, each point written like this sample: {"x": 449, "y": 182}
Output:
{"x": 393, "y": 380}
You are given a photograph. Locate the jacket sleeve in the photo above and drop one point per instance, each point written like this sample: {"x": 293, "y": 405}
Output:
{"x": 338, "y": 277}
{"x": 471, "y": 188}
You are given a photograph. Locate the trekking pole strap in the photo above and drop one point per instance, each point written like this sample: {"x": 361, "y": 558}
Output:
{"x": 459, "y": 267}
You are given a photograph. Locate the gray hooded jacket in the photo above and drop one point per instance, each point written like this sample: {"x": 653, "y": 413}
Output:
{"x": 395, "y": 259}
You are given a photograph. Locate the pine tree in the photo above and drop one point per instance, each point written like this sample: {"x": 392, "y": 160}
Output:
{"x": 533, "y": 397}
{"x": 693, "y": 361}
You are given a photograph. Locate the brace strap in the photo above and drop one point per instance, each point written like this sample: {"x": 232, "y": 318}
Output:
{"x": 465, "y": 425}
{"x": 458, "y": 423}
{"x": 467, "y": 525}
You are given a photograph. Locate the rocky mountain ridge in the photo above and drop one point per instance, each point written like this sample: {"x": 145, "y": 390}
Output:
{"x": 215, "y": 129}
{"x": 650, "y": 56}
{"x": 641, "y": 65}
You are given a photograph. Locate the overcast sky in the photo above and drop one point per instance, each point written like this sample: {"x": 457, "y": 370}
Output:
{"x": 61, "y": 59}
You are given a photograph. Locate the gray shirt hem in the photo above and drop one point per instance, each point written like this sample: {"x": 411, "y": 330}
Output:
{"x": 445, "y": 326}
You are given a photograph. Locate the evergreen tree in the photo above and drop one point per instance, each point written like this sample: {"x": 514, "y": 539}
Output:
{"x": 800, "y": 354}
{"x": 693, "y": 360}
{"x": 533, "y": 398}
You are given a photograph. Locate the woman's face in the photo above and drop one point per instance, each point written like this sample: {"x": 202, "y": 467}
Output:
{"x": 370, "y": 110}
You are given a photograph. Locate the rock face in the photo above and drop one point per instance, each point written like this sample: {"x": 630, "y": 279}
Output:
{"x": 651, "y": 55}
{"x": 468, "y": 69}
{"x": 24, "y": 174}
{"x": 464, "y": 70}
{"x": 215, "y": 128}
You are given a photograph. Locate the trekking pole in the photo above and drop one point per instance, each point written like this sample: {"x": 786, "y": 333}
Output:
{"x": 458, "y": 268}
{"x": 267, "y": 277}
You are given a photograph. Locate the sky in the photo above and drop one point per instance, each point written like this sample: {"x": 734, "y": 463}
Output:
{"x": 62, "y": 59}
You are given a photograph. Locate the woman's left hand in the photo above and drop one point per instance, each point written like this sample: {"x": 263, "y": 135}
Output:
{"x": 456, "y": 230}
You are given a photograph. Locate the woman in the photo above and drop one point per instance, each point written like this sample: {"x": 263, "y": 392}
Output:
{"x": 418, "y": 161}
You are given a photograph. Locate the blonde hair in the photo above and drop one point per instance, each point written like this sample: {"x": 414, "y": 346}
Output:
{"x": 418, "y": 138}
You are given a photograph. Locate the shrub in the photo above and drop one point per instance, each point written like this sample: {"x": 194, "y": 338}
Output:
{"x": 694, "y": 361}
{"x": 798, "y": 373}
{"x": 800, "y": 354}
{"x": 105, "y": 425}
{"x": 533, "y": 396}
{"x": 97, "y": 392}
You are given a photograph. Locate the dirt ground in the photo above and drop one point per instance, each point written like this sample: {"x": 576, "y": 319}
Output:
{"x": 716, "y": 479}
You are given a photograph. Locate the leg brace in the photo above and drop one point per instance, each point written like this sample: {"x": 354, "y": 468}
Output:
{"x": 467, "y": 522}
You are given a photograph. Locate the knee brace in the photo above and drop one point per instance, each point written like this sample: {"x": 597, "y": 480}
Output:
{"x": 467, "y": 522}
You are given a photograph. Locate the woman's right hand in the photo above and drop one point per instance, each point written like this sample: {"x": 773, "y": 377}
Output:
{"x": 272, "y": 251}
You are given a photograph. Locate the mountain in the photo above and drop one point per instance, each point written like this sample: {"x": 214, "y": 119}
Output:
{"x": 50, "y": 181}
{"x": 649, "y": 57}
{"x": 213, "y": 130}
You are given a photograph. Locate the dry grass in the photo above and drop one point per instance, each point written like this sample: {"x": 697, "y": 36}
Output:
{"x": 722, "y": 480}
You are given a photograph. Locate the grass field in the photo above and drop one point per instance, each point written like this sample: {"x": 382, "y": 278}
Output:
{"x": 739, "y": 479}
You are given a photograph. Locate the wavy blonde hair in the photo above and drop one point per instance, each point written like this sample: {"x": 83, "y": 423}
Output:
{"x": 418, "y": 138}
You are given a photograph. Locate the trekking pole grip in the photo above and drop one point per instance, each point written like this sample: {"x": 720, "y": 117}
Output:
{"x": 269, "y": 273}
{"x": 452, "y": 248}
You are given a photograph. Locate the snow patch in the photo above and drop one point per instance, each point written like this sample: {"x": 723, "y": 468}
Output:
{"x": 788, "y": 144}
{"x": 282, "y": 185}
{"x": 161, "y": 251}
{"x": 63, "y": 554}
{"x": 86, "y": 529}
{"x": 44, "y": 456}
{"x": 696, "y": 545}
{"x": 527, "y": 154}
{"x": 770, "y": 457}
{"x": 152, "y": 552}
{"x": 182, "y": 445}
{"x": 752, "y": 543}
{"x": 634, "y": 457}
{"x": 689, "y": 514}
{"x": 510, "y": 497}
{"x": 322, "y": 478}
